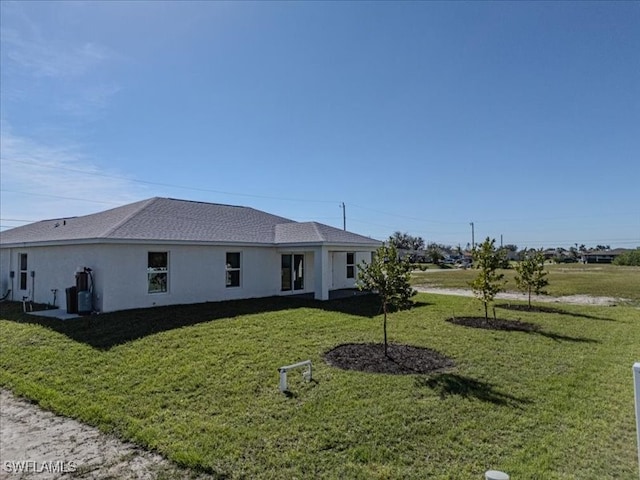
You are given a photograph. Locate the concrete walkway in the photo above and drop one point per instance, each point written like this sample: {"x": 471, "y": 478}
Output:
{"x": 58, "y": 313}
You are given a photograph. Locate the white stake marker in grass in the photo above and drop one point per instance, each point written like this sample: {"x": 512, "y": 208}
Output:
{"x": 307, "y": 374}
{"x": 495, "y": 475}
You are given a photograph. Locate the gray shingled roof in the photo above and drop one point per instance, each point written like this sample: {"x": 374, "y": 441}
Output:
{"x": 166, "y": 219}
{"x": 313, "y": 232}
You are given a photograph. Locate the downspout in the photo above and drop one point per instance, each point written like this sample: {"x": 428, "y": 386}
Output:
{"x": 33, "y": 286}
{"x": 12, "y": 273}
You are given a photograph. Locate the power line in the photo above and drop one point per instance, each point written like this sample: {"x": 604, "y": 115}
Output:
{"x": 160, "y": 184}
{"x": 371, "y": 223}
{"x": 405, "y": 216}
{"x": 484, "y": 221}
{"x": 60, "y": 197}
{"x": 343, "y": 205}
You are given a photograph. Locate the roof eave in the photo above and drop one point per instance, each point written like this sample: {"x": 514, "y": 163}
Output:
{"x": 342, "y": 245}
{"x": 128, "y": 241}
{"x": 365, "y": 245}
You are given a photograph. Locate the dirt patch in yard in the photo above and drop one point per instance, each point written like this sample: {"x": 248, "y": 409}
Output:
{"x": 39, "y": 445}
{"x": 569, "y": 299}
{"x": 401, "y": 359}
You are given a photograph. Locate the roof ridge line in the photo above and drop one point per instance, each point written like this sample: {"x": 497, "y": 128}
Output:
{"x": 315, "y": 227}
{"x": 145, "y": 204}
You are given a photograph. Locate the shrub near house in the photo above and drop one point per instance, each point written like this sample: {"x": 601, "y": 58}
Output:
{"x": 630, "y": 258}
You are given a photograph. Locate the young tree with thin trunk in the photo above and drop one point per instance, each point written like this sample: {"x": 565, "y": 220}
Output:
{"x": 488, "y": 282}
{"x": 531, "y": 275}
{"x": 388, "y": 276}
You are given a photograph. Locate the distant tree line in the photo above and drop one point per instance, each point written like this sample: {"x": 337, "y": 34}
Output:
{"x": 404, "y": 241}
{"x": 419, "y": 251}
{"x": 630, "y": 258}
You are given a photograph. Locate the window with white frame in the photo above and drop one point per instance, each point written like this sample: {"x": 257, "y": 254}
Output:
{"x": 157, "y": 271}
{"x": 233, "y": 269}
{"x": 351, "y": 265}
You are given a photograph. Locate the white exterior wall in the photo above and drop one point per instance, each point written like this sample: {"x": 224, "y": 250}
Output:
{"x": 322, "y": 276}
{"x": 339, "y": 265}
{"x": 5, "y": 268}
{"x": 196, "y": 273}
{"x": 54, "y": 268}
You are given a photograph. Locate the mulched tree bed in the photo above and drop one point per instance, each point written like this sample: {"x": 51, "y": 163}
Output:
{"x": 494, "y": 324}
{"x": 401, "y": 359}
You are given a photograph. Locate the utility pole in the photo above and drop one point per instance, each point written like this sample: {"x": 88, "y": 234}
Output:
{"x": 473, "y": 237}
{"x": 344, "y": 216}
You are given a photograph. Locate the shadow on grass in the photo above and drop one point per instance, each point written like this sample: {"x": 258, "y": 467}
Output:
{"x": 107, "y": 330}
{"x": 565, "y": 338}
{"x": 448, "y": 384}
{"x": 514, "y": 325}
{"x": 559, "y": 311}
{"x": 294, "y": 394}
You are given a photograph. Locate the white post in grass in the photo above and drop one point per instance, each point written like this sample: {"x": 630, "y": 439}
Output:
{"x": 495, "y": 475}
{"x": 307, "y": 375}
{"x": 636, "y": 379}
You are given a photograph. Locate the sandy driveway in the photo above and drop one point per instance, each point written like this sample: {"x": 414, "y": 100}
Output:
{"x": 572, "y": 299}
{"x": 36, "y": 444}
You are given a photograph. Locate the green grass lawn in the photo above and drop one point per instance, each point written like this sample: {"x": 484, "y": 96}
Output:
{"x": 199, "y": 385}
{"x": 564, "y": 279}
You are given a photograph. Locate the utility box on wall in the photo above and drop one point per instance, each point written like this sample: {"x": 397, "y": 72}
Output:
{"x": 72, "y": 299}
{"x": 82, "y": 281}
{"x": 84, "y": 288}
{"x": 85, "y": 305}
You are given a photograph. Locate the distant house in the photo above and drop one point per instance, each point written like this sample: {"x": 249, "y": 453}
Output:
{"x": 602, "y": 256}
{"x": 163, "y": 251}
{"x": 415, "y": 256}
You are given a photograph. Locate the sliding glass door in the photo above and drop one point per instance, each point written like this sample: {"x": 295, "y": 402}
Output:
{"x": 292, "y": 272}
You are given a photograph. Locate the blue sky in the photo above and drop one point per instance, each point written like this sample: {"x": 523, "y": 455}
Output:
{"x": 523, "y": 117}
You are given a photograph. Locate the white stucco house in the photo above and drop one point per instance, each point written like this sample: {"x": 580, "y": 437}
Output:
{"x": 163, "y": 251}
